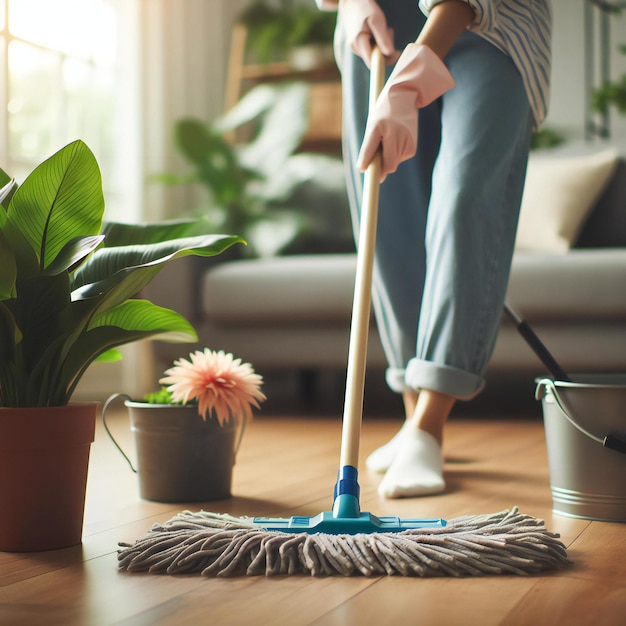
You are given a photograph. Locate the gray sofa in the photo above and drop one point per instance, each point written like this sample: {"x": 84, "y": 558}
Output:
{"x": 293, "y": 312}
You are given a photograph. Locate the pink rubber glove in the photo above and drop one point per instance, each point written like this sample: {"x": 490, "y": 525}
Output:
{"x": 362, "y": 21}
{"x": 418, "y": 79}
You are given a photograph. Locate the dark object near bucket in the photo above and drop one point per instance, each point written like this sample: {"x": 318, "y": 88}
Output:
{"x": 585, "y": 423}
{"x": 180, "y": 457}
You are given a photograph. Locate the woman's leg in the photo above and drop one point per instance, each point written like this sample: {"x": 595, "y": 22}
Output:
{"x": 472, "y": 218}
{"x": 402, "y": 204}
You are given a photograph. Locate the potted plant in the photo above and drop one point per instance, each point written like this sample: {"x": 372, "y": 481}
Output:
{"x": 67, "y": 298}
{"x": 188, "y": 433}
{"x": 266, "y": 27}
{"x": 310, "y": 38}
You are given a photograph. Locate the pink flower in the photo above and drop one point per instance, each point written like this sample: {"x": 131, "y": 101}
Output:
{"x": 222, "y": 385}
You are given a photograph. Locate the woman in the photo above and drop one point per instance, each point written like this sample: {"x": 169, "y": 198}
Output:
{"x": 478, "y": 71}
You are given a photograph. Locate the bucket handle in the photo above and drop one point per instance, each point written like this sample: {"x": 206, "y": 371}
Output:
{"x": 613, "y": 442}
{"x": 105, "y": 408}
{"x": 115, "y": 396}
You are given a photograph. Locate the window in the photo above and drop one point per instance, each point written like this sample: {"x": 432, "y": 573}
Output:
{"x": 59, "y": 78}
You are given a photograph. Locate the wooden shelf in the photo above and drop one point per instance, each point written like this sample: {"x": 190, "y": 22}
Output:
{"x": 283, "y": 71}
{"x": 324, "y": 134}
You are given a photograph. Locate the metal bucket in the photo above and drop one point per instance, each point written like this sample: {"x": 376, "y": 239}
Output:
{"x": 585, "y": 425}
{"x": 180, "y": 457}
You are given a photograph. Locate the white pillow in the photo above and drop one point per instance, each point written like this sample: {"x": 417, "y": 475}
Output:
{"x": 559, "y": 193}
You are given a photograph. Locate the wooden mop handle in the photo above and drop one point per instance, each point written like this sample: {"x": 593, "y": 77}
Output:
{"x": 357, "y": 351}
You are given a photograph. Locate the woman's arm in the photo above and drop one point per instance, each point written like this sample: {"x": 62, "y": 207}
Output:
{"x": 446, "y": 21}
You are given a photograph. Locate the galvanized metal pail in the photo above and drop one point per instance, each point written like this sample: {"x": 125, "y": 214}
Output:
{"x": 585, "y": 425}
{"x": 180, "y": 457}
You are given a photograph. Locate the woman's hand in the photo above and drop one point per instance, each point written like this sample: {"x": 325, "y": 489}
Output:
{"x": 364, "y": 25}
{"x": 418, "y": 79}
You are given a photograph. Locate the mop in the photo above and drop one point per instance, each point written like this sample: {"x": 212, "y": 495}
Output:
{"x": 346, "y": 541}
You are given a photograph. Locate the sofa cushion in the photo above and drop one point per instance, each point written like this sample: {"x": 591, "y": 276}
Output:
{"x": 559, "y": 193}
{"x": 606, "y": 226}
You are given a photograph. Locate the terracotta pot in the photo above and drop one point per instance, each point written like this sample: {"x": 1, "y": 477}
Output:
{"x": 44, "y": 457}
{"x": 180, "y": 457}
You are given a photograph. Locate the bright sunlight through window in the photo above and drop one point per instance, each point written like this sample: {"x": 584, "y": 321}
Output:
{"x": 88, "y": 34}
{"x": 58, "y": 72}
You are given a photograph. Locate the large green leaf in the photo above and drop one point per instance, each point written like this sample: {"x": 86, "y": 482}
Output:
{"x": 73, "y": 253}
{"x": 61, "y": 199}
{"x": 39, "y": 384}
{"x": 7, "y": 259}
{"x": 9, "y": 336}
{"x": 145, "y": 317}
{"x": 8, "y": 269}
{"x": 43, "y": 374}
{"x": 4, "y": 178}
{"x": 110, "y": 356}
{"x": 131, "y": 321}
{"x": 120, "y": 234}
{"x": 42, "y": 313}
{"x": 107, "y": 266}
{"x": 108, "y": 293}
{"x": 7, "y": 189}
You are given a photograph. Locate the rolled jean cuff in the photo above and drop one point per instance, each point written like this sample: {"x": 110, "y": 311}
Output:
{"x": 395, "y": 379}
{"x": 445, "y": 379}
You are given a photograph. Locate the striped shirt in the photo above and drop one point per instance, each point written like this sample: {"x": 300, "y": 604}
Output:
{"x": 522, "y": 29}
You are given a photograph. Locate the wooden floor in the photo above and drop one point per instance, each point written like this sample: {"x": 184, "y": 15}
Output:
{"x": 286, "y": 466}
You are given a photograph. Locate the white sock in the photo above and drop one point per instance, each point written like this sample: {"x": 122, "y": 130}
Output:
{"x": 417, "y": 468}
{"x": 381, "y": 459}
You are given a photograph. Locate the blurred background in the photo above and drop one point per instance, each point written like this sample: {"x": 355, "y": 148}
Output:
{"x": 140, "y": 81}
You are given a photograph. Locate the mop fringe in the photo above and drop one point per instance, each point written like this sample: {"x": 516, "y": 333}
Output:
{"x": 214, "y": 544}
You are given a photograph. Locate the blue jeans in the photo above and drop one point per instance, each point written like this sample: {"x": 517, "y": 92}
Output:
{"x": 448, "y": 216}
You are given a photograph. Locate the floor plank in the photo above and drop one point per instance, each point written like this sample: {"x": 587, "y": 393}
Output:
{"x": 569, "y": 600}
{"x": 484, "y": 601}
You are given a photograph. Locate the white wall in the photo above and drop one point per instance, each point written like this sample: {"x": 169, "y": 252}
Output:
{"x": 184, "y": 54}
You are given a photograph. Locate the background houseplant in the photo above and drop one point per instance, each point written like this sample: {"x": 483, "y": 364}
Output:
{"x": 612, "y": 93}
{"x": 67, "y": 290}
{"x": 273, "y": 31}
{"x": 262, "y": 187}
